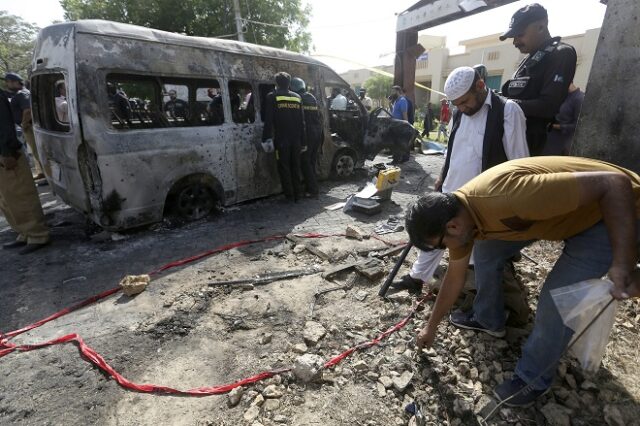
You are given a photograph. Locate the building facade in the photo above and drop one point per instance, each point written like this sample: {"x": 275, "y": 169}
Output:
{"x": 500, "y": 58}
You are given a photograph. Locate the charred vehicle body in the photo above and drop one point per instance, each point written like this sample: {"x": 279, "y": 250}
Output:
{"x": 133, "y": 122}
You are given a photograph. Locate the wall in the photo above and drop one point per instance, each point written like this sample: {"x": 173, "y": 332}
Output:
{"x": 609, "y": 125}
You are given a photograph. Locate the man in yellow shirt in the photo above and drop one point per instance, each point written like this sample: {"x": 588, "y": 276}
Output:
{"x": 592, "y": 205}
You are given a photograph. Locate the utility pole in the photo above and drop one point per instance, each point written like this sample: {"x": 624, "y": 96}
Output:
{"x": 236, "y": 8}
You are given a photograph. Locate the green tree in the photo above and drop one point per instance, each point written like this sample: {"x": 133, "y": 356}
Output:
{"x": 379, "y": 87}
{"x": 17, "y": 39}
{"x": 286, "y": 20}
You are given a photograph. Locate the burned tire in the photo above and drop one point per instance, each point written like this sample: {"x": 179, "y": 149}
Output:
{"x": 343, "y": 165}
{"x": 192, "y": 199}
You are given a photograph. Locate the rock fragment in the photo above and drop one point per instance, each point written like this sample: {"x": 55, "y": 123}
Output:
{"x": 308, "y": 367}
{"x": 313, "y": 332}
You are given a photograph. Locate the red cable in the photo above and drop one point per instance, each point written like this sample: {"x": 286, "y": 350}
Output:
{"x": 96, "y": 359}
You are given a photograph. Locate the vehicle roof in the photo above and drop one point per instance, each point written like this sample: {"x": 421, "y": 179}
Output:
{"x": 116, "y": 29}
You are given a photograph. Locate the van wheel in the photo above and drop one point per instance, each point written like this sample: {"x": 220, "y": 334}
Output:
{"x": 194, "y": 200}
{"x": 344, "y": 165}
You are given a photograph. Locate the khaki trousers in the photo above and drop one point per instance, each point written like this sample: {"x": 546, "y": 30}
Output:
{"x": 31, "y": 141}
{"x": 20, "y": 204}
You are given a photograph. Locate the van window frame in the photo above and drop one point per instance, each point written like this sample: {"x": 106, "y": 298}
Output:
{"x": 45, "y": 114}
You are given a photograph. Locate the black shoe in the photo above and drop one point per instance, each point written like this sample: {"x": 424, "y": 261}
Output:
{"x": 517, "y": 393}
{"x": 412, "y": 285}
{"x": 466, "y": 320}
{"x": 14, "y": 244}
{"x": 30, "y": 248}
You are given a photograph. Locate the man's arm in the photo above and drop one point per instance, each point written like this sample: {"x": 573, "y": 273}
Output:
{"x": 514, "y": 139}
{"x": 557, "y": 78}
{"x": 613, "y": 192}
{"x": 452, "y": 285}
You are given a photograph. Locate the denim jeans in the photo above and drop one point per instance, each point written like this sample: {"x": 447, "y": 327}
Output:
{"x": 586, "y": 255}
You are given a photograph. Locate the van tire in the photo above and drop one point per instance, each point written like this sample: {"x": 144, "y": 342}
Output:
{"x": 193, "y": 199}
{"x": 343, "y": 164}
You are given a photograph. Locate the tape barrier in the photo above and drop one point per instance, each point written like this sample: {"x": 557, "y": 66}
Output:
{"x": 97, "y": 360}
{"x": 6, "y": 347}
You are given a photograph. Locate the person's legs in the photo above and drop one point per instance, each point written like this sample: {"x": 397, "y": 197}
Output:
{"x": 283, "y": 156}
{"x": 31, "y": 141}
{"x": 308, "y": 164}
{"x": 20, "y": 204}
{"x": 490, "y": 257}
{"x": 585, "y": 256}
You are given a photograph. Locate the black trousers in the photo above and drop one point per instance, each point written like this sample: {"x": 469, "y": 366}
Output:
{"x": 288, "y": 156}
{"x": 308, "y": 162}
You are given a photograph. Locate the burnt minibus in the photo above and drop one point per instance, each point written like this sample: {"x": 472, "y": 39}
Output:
{"x": 132, "y": 122}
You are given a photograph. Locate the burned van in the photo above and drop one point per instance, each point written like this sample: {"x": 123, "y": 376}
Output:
{"x": 133, "y": 122}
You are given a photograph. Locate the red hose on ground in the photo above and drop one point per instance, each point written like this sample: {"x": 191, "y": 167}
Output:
{"x": 96, "y": 359}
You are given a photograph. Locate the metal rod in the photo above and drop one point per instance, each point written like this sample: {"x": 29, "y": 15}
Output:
{"x": 394, "y": 272}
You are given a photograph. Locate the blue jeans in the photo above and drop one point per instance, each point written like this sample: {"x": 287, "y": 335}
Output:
{"x": 586, "y": 255}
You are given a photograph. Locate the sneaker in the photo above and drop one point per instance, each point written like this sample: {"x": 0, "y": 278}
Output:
{"x": 412, "y": 285}
{"x": 14, "y": 244}
{"x": 517, "y": 393}
{"x": 30, "y": 248}
{"x": 465, "y": 320}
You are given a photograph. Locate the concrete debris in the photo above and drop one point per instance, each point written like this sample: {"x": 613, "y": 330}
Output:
{"x": 484, "y": 406}
{"x": 308, "y": 367}
{"x": 361, "y": 295}
{"x": 279, "y": 418}
{"x": 258, "y": 401}
{"x": 134, "y": 284}
{"x": 266, "y": 338}
{"x": 401, "y": 382}
{"x": 372, "y": 269}
{"x": 386, "y": 381}
{"x": 612, "y": 416}
{"x": 252, "y": 413}
{"x": 272, "y": 391}
{"x": 313, "y": 332}
{"x": 299, "y": 248}
{"x": 556, "y": 415}
{"x": 300, "y": 348}
{"x": 234, "y": 397}
{"x": 354, "y": 232}
{"x": 271, "y": 405}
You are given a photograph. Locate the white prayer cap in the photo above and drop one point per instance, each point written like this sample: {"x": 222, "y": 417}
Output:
{"x": 459, "y": 82}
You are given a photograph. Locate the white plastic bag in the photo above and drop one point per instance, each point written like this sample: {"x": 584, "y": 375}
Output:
{"x": 268, "y": 146}
{"x": 578, "y": 304}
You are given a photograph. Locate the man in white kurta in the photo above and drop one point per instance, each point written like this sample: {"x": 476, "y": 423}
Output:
{"x": 471, "y": 96}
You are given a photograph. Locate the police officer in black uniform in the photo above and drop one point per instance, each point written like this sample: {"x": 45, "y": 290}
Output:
{"x": 313, "y": 125}
{"x": 284, "y": 123}
{"x": 541, "y": 82}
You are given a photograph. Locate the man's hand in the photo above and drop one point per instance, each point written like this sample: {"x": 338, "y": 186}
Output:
{"x": 626, "y": 283}
{"x": 8, "y": 163}
{"x": 425, "y": 338}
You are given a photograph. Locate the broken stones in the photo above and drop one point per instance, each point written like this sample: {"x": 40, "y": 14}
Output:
{"x": 401, "y": 382}
{"x": 134, "y": 284}
{"x": 313, "y": 332}
{"x": 385, "y": 381}
{"x": 299, "y": 248}
{"x": 354, "y": 232}
{"x": 556, "y": 415}
{"x": 308, "y": 367}
{"x": 266, "y": 338}
{"x": 300, "y": 348}
{"x": 272, "y": 391}
{"x": 360, "y": 366}
{"x": 233, "y": 398}
{"x": 612, "y": 416}
{"x": 252, "y": 413}
{"x": 484, "y": 406}
{"x": 381, "y": 390}
{"x": 271, "y": 404}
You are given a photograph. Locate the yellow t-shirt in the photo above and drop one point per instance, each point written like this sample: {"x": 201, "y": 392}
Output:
{"x": 533, "y": 199}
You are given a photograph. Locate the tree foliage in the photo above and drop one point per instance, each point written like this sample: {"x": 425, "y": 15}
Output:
{"x": 379, "y": 87}
{"x": 17, "y": 39}
{"x": 288, "y": 19}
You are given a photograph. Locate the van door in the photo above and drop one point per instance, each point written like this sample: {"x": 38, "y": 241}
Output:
{"x": 256, "y": 170}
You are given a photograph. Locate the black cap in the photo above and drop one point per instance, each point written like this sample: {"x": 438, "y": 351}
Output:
{"x": 523, "y": 17}
{"x": 12, "y": 76}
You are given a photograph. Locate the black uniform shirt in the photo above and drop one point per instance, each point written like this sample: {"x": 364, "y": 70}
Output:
{"x": 540, "y": 85}
{"x": 311, "y": 116}
{"x": 20, "y": 101}
{"x": 284, "y": 119}
{"x": 542, "y": 80}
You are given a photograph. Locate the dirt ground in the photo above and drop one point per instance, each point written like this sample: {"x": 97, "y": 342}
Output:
{"x": 183, "y": 333}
